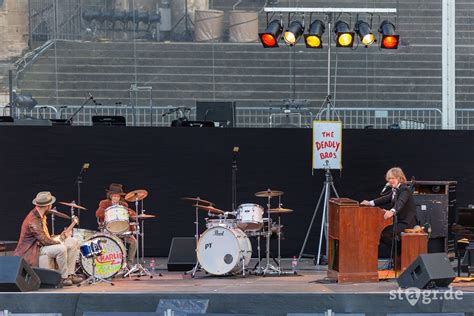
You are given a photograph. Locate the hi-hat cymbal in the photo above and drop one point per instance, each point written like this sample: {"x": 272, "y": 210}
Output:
{"x": 136, "y": 195}
{"x": 197, "y": 201}
{"x": 279, "y": 210}
{"x": 144, "y": 216}
{"x": 74, "y": 205}
{"x": 269, "y": 193}
{"x": 59, "y": 214}
{"x": 210, "y": 209}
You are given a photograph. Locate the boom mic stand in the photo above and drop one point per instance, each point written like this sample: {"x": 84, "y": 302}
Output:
{"x": 79, "y": 181}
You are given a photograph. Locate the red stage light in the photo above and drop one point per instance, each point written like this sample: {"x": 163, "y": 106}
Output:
{"x": 390, "y": 42}
{"x": 268, "y": 40}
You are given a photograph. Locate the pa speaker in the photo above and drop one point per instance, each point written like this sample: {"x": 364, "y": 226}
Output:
{"x": 17, "y": 276}
{"x": 49, "y": 278}
{"x": 428, "y": 270}
{"x": 182, "y": 256}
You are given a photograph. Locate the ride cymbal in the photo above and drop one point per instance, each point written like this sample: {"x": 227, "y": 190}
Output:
{"x": 58, "y": 214}
{"x": 279, "y": 210}
{"x": 136, "y": 195}
{"x": 197, "y": 201}
{"x": 269, "y": 193}
{"x": 72, "y": 204}
{"x": 210, "y": 209}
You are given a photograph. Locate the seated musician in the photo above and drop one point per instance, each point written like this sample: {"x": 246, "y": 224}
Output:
{"x": 115, "y": 197}
{"x": 401, "y": 203}
{"x": 37, "y": 246}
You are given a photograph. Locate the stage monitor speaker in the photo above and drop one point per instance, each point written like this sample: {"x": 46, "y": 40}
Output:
{"x": 428, "y": 270}
{"x": 182, "y": 256}
{"x": 106, "y": 120}
{"x": 216, "y": 111}
{"x": 49, "y": 278}
{"x": 17, "y": 276}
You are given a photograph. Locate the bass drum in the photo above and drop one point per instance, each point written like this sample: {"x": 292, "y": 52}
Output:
{"x": 110, "y": 261}
{"x": 221, "y": 250}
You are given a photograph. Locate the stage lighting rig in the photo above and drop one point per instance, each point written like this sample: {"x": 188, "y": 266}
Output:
{"x": 313, "y": 38}
{"x": 389, "y": 37}
{"x": 363, "y": 30}
{"x": 344, "y": 36}
{"x": 272, "y": 34}
{"x": 293, "y": 33}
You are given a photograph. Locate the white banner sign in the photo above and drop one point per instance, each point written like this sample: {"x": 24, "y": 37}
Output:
{"x": 327, "y": 145}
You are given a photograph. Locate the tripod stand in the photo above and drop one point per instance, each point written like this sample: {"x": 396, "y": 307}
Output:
{"x": 187, "y": 22}
{"x": 137, "y": 268}
{"x": 326, "y": 193}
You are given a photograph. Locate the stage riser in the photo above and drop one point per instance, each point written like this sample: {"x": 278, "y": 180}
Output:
{"x": 268, "y": 304}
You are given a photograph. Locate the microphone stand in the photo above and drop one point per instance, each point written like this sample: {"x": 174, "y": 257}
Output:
{"x": 69, "y": 120}
{"x": 234, "y": 180}
{"x": 79, "y": 182}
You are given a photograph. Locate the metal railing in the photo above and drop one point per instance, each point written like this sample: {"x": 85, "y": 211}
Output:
{"x": 260, "y": 117}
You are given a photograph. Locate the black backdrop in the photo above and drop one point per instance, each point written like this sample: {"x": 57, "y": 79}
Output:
{"x": 172, "y": 163}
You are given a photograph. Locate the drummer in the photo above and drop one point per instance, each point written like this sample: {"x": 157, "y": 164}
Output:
{"x": 115, "y": 197}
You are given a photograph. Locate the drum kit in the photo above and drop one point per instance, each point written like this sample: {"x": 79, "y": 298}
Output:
{"x": 103, "y": 252}
{"x": 224, "y": 248}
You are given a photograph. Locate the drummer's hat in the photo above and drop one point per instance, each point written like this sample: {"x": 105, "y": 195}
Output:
{"x": 115, "y": 188}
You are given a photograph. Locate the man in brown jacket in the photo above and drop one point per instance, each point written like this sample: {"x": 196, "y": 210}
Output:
{"x": 37, "y": 246}
{"x": 114, "y": 197}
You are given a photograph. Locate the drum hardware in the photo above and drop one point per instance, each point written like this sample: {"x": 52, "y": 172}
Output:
{"x": 91, "y": 251}
{"x": 235, "y": 152}
{"x": 74, "y": 206}
{"x": 138, "y": 195}
{"x": 269, "y": 194}
{"x": 142, "y": 217}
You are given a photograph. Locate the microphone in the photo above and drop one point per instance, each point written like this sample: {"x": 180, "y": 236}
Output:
{"x": 235, "y": 151}
{"x": 85, "y": 166}
{"x": 385, "y": 188}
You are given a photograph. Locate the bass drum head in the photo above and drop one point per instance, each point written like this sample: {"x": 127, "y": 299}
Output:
{"x": 112, "y": 259}
{"x": 220, "y": 250}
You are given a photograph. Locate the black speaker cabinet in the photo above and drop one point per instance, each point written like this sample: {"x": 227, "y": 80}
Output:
{"x": 182, "y": 256}
{"x": 17, "y": 276}
{"x": 428, "y": 270}
{"x": 49, "y": 278}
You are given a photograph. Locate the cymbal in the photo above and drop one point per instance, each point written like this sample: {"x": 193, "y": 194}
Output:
{"x": 59, "y": 214}
{"x": 136, "y": 195}
{"x": 211, "y": 209}
{"x": 74, "y": 205}
{"x": 197, "y": 200}
{"x": 269, "y": 193}
{"x": 279, "y": 210}
{"x": 144, "y": 216}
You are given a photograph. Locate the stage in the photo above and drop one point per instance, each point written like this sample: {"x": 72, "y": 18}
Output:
{"x": 307, "y": 292}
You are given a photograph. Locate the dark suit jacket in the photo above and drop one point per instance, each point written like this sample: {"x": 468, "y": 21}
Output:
{"x": 32, "y": 238}
{"x": 404, "y": 205}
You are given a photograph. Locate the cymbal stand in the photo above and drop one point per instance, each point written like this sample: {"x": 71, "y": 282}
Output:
{"x": 269, "y": 269}
{"x": 196, "y": 236}
{"x": 137, "y": 268}
{"x": 52, "y": 224}
{"x": 142, "y": 233}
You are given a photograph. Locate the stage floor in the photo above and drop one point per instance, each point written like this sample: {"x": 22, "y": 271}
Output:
{"x": 307, "y": 292}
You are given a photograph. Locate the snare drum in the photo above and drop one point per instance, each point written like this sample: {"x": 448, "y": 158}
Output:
{"x": 249, "y": 217}
{"x": 116, "y": 219}
{"x": 221, "y": 222}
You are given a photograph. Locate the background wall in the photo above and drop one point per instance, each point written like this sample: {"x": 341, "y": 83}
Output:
{"x": 173, "y": 163}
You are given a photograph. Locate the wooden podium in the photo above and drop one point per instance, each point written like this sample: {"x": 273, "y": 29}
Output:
{"x": 354, "y": 233}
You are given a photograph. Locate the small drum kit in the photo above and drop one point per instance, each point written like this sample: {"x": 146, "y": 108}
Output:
{"x": 103, "y": 252}
{"x": 224, "y": 247}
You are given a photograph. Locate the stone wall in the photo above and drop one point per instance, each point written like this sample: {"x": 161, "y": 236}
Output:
{"x": 13, "y": 28}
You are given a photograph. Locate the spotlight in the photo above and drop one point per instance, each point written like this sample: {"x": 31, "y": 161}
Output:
{"x": 389, "y": 38}
{"x": 271, "y": 35}
{"x": 344, "y": 37}
{"x": 366, "y": 36}
{"x": 293, "y": 33}
{"x": 313, "y": 38}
